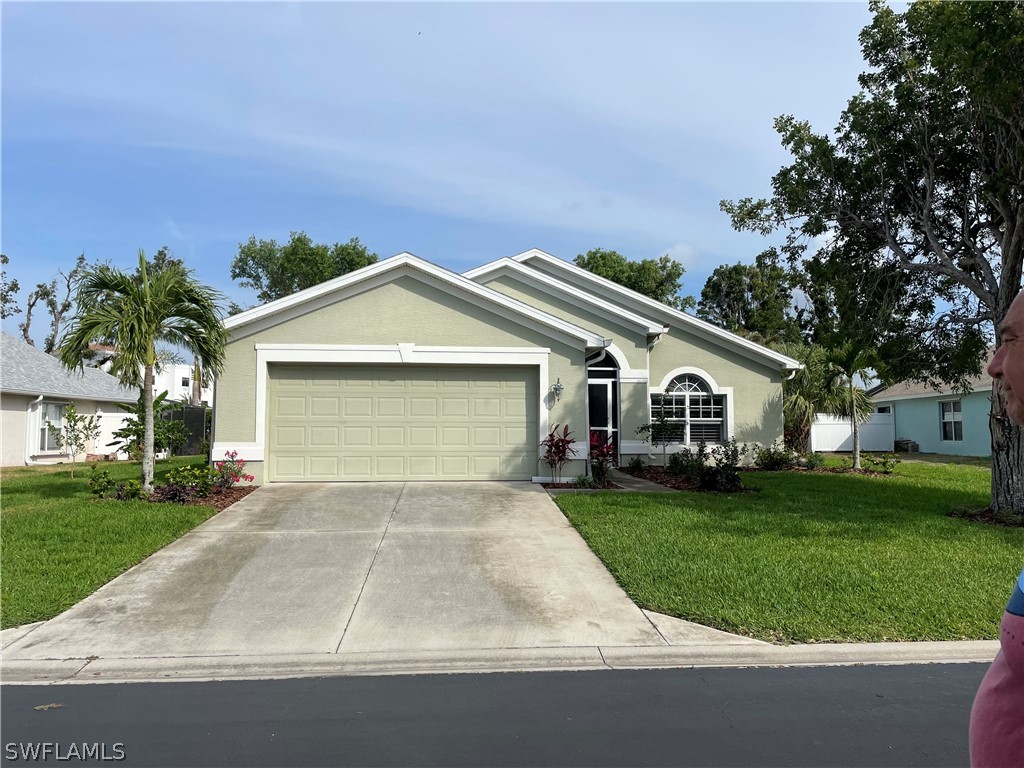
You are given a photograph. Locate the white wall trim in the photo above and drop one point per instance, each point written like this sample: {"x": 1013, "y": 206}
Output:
{"x": 246, "y": 451}
{"x": 402, "y": 353}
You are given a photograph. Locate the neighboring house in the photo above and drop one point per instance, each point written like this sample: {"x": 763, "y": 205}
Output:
{"x": 174, "y": 378}
{"x": 404, "y": 370}
{"x": 35, "y": 388}
{"x": 943, "y": 421}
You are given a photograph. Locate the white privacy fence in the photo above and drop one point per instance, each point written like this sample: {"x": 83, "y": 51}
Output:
{"x": 834, "y": 433}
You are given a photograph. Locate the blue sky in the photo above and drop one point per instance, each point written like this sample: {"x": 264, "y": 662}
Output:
{"x": 459, "y": 132}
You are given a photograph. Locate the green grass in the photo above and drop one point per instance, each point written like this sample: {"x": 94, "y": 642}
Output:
{"x": 814, "y": 557}
{"x": 58, "y": 544}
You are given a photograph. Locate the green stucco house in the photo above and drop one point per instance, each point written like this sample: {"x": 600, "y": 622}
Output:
{"x": 404, "y": 370}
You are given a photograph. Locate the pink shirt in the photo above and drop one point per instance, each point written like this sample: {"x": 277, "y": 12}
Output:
{"x": 997, "y": 719}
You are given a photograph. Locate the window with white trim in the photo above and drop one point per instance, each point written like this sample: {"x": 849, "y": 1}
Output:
{"x": 692, "y": 411}
{"x": 951, "y": 420}
{"x": 49, "y": 413}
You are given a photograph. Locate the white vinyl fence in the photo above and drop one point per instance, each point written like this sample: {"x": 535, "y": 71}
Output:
{"x": 834, "y": 433}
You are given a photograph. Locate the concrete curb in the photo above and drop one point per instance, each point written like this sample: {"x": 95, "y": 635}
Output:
{"x": 203, "y": 668}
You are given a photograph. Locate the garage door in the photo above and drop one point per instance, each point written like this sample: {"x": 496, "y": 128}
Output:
{"x": 350, "y": 422}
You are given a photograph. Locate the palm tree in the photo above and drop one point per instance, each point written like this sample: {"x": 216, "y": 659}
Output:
{"x": 134, "y": 312}
{"x": 842, "y": 365}
{"x": 807, "y": 393}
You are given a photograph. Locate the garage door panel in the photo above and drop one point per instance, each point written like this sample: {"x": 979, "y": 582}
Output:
{"x": 325, "y": 437}
{"x": 455, "y": 407}
{"x": 354, "y": 407}
{"x": 390, "y": 406}
{"x": 403, "y": 422}
{"x": 323, "y": 467}
{"x": 291, "y": 437}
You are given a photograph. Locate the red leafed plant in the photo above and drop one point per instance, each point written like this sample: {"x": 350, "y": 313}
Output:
{"x": 602, "y": 457}
{"x": 556, "y": 450}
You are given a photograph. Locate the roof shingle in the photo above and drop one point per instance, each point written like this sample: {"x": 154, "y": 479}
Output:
{"x": 27, "y": 370}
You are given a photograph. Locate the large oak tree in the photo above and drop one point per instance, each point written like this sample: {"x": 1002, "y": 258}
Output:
{"x": 923, "y": 177}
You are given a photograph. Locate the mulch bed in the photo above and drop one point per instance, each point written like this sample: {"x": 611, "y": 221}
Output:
{"x": 988, "y": 516}
{"x": 224, "y": 499}
{"x": 609, "y": 487}
{"x": 662, "y": 476}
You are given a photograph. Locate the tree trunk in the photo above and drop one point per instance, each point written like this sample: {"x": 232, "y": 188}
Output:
{"x": 197, "y": 385}
{"x": 856, "y": 428}
{"x": 148, "y": 458}
{"x": 1007, "y": 457}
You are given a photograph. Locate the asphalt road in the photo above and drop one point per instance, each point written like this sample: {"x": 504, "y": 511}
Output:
{"x": 826, "y": 716}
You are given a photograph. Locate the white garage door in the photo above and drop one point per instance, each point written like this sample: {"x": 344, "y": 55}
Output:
{"x": 422, "y": 422}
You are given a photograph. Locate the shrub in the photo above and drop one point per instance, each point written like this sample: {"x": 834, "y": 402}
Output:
{"x": 724, "y": 475}
{"x": 129, "y": 490}
{"x": 602, "y": 457}
{"x": 636, "y": 464}
{"x": 715, "y": 469}
{"x": 883, "y": 462}
{"x": 100, "y": 482}
{"x": 556, "y": 450}
{"x": 689, "y": 464}
{"x": 230, "y": 471}
{"x": 183, "y": 484}
{"x": 197, "y": 477}
{"x": 814, "y": 460}
{"x": 774, "y": 457}
{"x": 582, "y": 481}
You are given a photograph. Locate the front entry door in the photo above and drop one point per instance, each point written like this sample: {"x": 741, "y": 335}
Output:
{"x": 604, "y": 410}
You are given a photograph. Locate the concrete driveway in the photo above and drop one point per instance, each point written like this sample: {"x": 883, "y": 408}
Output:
{"x": 356, "y": 568}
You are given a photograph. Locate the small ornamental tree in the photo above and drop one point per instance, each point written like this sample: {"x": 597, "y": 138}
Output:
{"x": 658, "y": 431}
{"x": 74, "y": 433}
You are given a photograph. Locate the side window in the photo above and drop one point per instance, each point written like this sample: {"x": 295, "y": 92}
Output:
{"x": 951, "y": 420}
{"x": 49, "y": 413}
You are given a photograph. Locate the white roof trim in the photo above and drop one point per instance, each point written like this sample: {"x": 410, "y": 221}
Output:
{"x": 651, "y": 327}
{"x": 446, "y": 276}
{"x": 681, "y": 319}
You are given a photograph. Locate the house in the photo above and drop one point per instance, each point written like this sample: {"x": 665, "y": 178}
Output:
{"x": 940, "y": 421}
{"x": 176, "y": 379}
{"x": 404, "y": 370}
{"x": 36, "y": 388}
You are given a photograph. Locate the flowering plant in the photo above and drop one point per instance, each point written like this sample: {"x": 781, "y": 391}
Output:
{"x": 230, "y": 471}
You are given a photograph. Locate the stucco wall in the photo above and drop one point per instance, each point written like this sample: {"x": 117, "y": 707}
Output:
{"x": 13, "y": 422}
{"x": 919, "y": 420}
{"x": 17, "y": 418}
{"x": 406, "y": 310}
{"x": 633, "y": 343}
{"x": 756, "y": 389}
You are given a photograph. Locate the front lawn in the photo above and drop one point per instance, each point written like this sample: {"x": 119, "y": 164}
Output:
{"x": 58, "y": 545}
{"x": 814, "y": 557}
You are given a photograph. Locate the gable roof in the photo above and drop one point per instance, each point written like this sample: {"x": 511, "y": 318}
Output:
{"x": 572, "y": 294}
{"x": 664, "y": 312}
{"x": 908, "y": 390}
{"x": 451, "y": 281}
{"x": 26, "y": 370}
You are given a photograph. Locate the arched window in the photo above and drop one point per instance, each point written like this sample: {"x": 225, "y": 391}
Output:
{"x": 692, "y": 411}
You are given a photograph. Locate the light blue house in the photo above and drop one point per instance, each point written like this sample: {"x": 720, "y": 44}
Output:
{"x": 942, "y": 421}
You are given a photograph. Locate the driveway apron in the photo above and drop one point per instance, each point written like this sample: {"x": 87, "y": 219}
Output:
{"x": 357, "y": 567}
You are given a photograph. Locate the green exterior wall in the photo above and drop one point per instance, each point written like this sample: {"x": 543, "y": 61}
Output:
{"x": 757, "y": 389}
{"x": 633, "y": 343}
{"x": 405, "y": 310}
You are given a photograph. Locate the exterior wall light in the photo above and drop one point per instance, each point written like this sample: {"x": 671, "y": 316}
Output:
{"x": 558, "y": 389}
